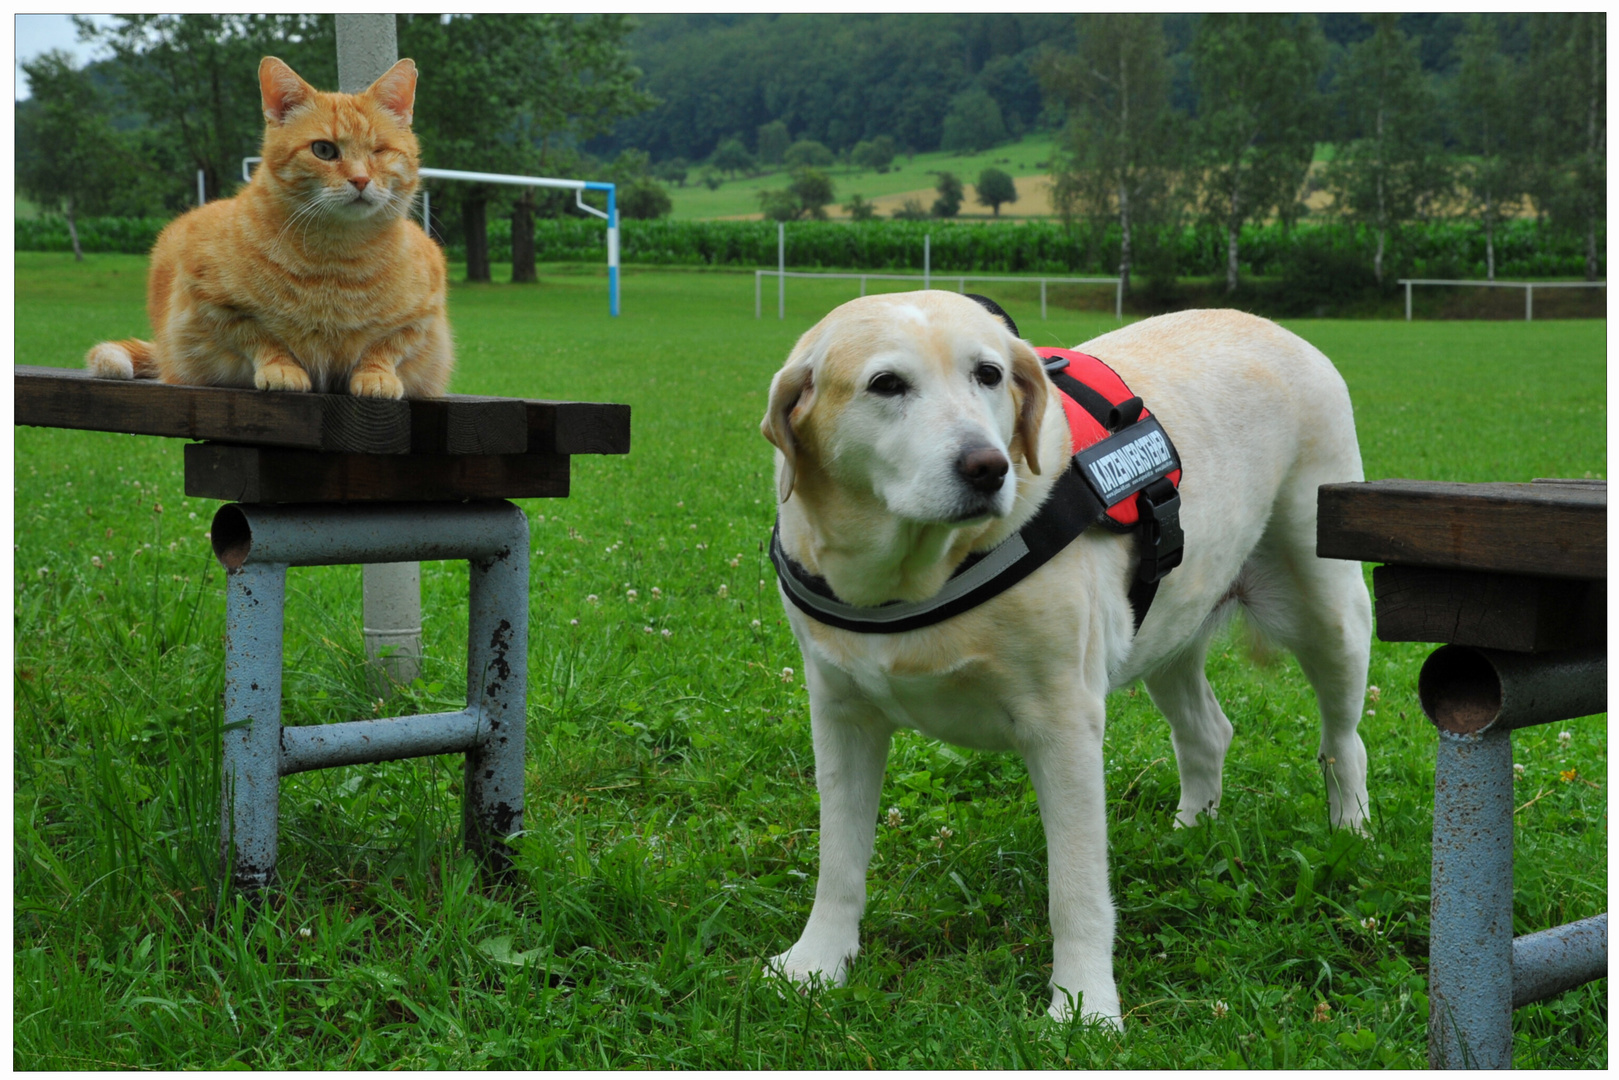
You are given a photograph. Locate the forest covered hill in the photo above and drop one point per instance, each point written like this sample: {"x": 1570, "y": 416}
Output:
{"x": 840, "y": 79}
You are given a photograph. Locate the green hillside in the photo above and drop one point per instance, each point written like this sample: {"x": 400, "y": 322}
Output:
{"x": 1028, "y": 157}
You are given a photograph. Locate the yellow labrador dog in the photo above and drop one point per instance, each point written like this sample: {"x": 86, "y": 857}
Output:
{"x": 914, "y": 429}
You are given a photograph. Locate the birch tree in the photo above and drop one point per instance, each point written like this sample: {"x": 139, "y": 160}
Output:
{"x": 1257, "y": 114}
{"x": 1388, "y": 169}
{"x": 1483, "y": 115}
{"x": 1117, "y": 150}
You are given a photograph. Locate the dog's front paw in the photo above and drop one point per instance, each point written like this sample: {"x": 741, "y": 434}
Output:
{"x": 1098, "y": 1006}
{"x": 807, "y": 964}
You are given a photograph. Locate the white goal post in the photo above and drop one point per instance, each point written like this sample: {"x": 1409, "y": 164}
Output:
{"x": 579, "y": 187}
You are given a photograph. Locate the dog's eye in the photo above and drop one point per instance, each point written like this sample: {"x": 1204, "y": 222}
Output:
{"x": 887, "y": 384}
{"x": 326, "y": 151}
{"x": 988, "y": 374}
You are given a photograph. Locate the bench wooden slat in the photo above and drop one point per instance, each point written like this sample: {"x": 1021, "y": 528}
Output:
{"x": 579, "y": 427}
{"x": 452, "y": 424}
{"x": 1514, "y": 612}
{"x": 1555, "y": 530}
{"x": 466, "y": 424}
{"x": 69, "y": 398}
{"x": 271, "y": 474}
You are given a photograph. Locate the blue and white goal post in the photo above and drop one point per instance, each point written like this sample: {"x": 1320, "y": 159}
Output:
{"x": 579, "y": 188}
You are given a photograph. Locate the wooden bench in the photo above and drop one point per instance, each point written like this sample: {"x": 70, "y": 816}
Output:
{"x": 321, "y": 479}
{"x": 1512, "y": 579}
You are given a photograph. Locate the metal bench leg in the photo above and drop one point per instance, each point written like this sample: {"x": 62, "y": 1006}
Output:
{"x": 1470, "y": 929}
{"x": 497, "y": 687}
{"x": 255, "y": 597}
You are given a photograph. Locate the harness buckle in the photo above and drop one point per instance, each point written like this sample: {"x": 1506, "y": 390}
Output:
{"x": 1160, "y": 538}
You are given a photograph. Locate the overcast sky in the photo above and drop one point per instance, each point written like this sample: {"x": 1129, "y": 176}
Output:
{"x": 42, "y": 33}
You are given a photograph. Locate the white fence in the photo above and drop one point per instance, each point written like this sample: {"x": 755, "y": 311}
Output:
{"x": 781, "y": 274}
{"x": 927, "y": 283}
{"x": 1528, "y": 288}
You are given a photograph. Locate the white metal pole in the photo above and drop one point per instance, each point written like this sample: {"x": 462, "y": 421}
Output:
{"x": 1529, "y": 303}
{"x": 391, "y": 620}
{"x": 202, "y": 188}
{"x": 1118, "y": 302}
{"x": 927, "y": 261}
{"x": 1407, "y": 301}
{"x": 612, "y": 251}
{"x": 427, "y": 212}
{"x": 781, "y": 270}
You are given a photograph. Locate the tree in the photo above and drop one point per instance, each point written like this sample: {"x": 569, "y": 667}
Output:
{"x": 514, "y": 94}
{"x": 859, "y": 208}
{"x": 911, "y": 211}
{"x": 948, "y": 204}
{"x": 67, "y": 153}
{"x": 644, "y": 199}
{"x": 1484, "y": 109}
{"x": 995, "y": 187}
{"x": 813, "y": 189}
{"x": 1254, "y": 133}
{"x": 876, "y": 154}
{"x": 807, "y": 153}
{"x": 732, "y": 157}
{"x": 974, "y": 122}
{"x": 1388, "y": 169}
{"x": 778, "y": 204}
{"x": 195, "y": 78}
{"x": 773, "y": 142}
{"x": 1116, "y": 153}
{"x": 672, "y": 171}
{"x": 1564, "y": 97}
{"x": 807, "y": 195}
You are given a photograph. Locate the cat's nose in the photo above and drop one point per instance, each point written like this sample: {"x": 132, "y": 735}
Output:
{"x": 359, "y": 182}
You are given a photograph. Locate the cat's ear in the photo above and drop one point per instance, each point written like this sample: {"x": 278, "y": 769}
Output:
{"x": 281, "y": 89}
{"x": 396, "y": 90}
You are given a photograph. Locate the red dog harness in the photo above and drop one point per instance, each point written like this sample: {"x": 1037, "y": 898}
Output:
{"x": 1123, "y": 475}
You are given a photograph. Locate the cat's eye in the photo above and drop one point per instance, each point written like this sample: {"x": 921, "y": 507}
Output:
{"x": 887, "y": 384}
{"x": 326, "y": 151}
{"x": 988, "y": 375}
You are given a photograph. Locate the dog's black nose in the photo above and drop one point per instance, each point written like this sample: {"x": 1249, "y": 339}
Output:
{"x": 983, "y": 468}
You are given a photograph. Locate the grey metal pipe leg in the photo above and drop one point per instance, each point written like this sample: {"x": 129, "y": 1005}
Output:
{"x": 497, "y": 687}
{"x": 1470, "y": 928}
{"x": 254, "y": 601}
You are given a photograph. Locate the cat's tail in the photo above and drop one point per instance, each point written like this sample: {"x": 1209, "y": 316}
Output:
{"x": 127, "y": 359}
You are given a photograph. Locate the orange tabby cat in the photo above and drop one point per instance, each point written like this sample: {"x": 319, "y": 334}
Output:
{"x": 313, "y": 277}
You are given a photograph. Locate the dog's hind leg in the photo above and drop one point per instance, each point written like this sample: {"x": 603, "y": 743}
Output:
{"x": 851, "y": 749}
{"x": 1320, "y": 610}
{"x": 1199, "y": 730}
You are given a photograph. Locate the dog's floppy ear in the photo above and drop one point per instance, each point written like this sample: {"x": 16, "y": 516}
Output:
{"x": 1029, "y": 384}
{"x": 791, "y": 392}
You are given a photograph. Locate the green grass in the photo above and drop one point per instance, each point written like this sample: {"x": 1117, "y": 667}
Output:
{"x": 740, "y": 195}
{"x": 672, "y": 834}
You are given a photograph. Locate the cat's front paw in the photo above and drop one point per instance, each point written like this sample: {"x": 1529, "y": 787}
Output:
{"x": 377, "y": 384}
{"x": 281, "y": 374}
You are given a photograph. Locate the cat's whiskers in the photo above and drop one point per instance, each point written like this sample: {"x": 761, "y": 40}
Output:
{"x": 304, "y": 212}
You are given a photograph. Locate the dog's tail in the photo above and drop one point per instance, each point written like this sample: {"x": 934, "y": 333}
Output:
{"x": 131, "y": 358}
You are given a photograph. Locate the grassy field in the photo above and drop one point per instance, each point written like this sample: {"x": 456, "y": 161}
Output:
{"x": 672, "y": 835}
{"x": 919, "y": 173}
